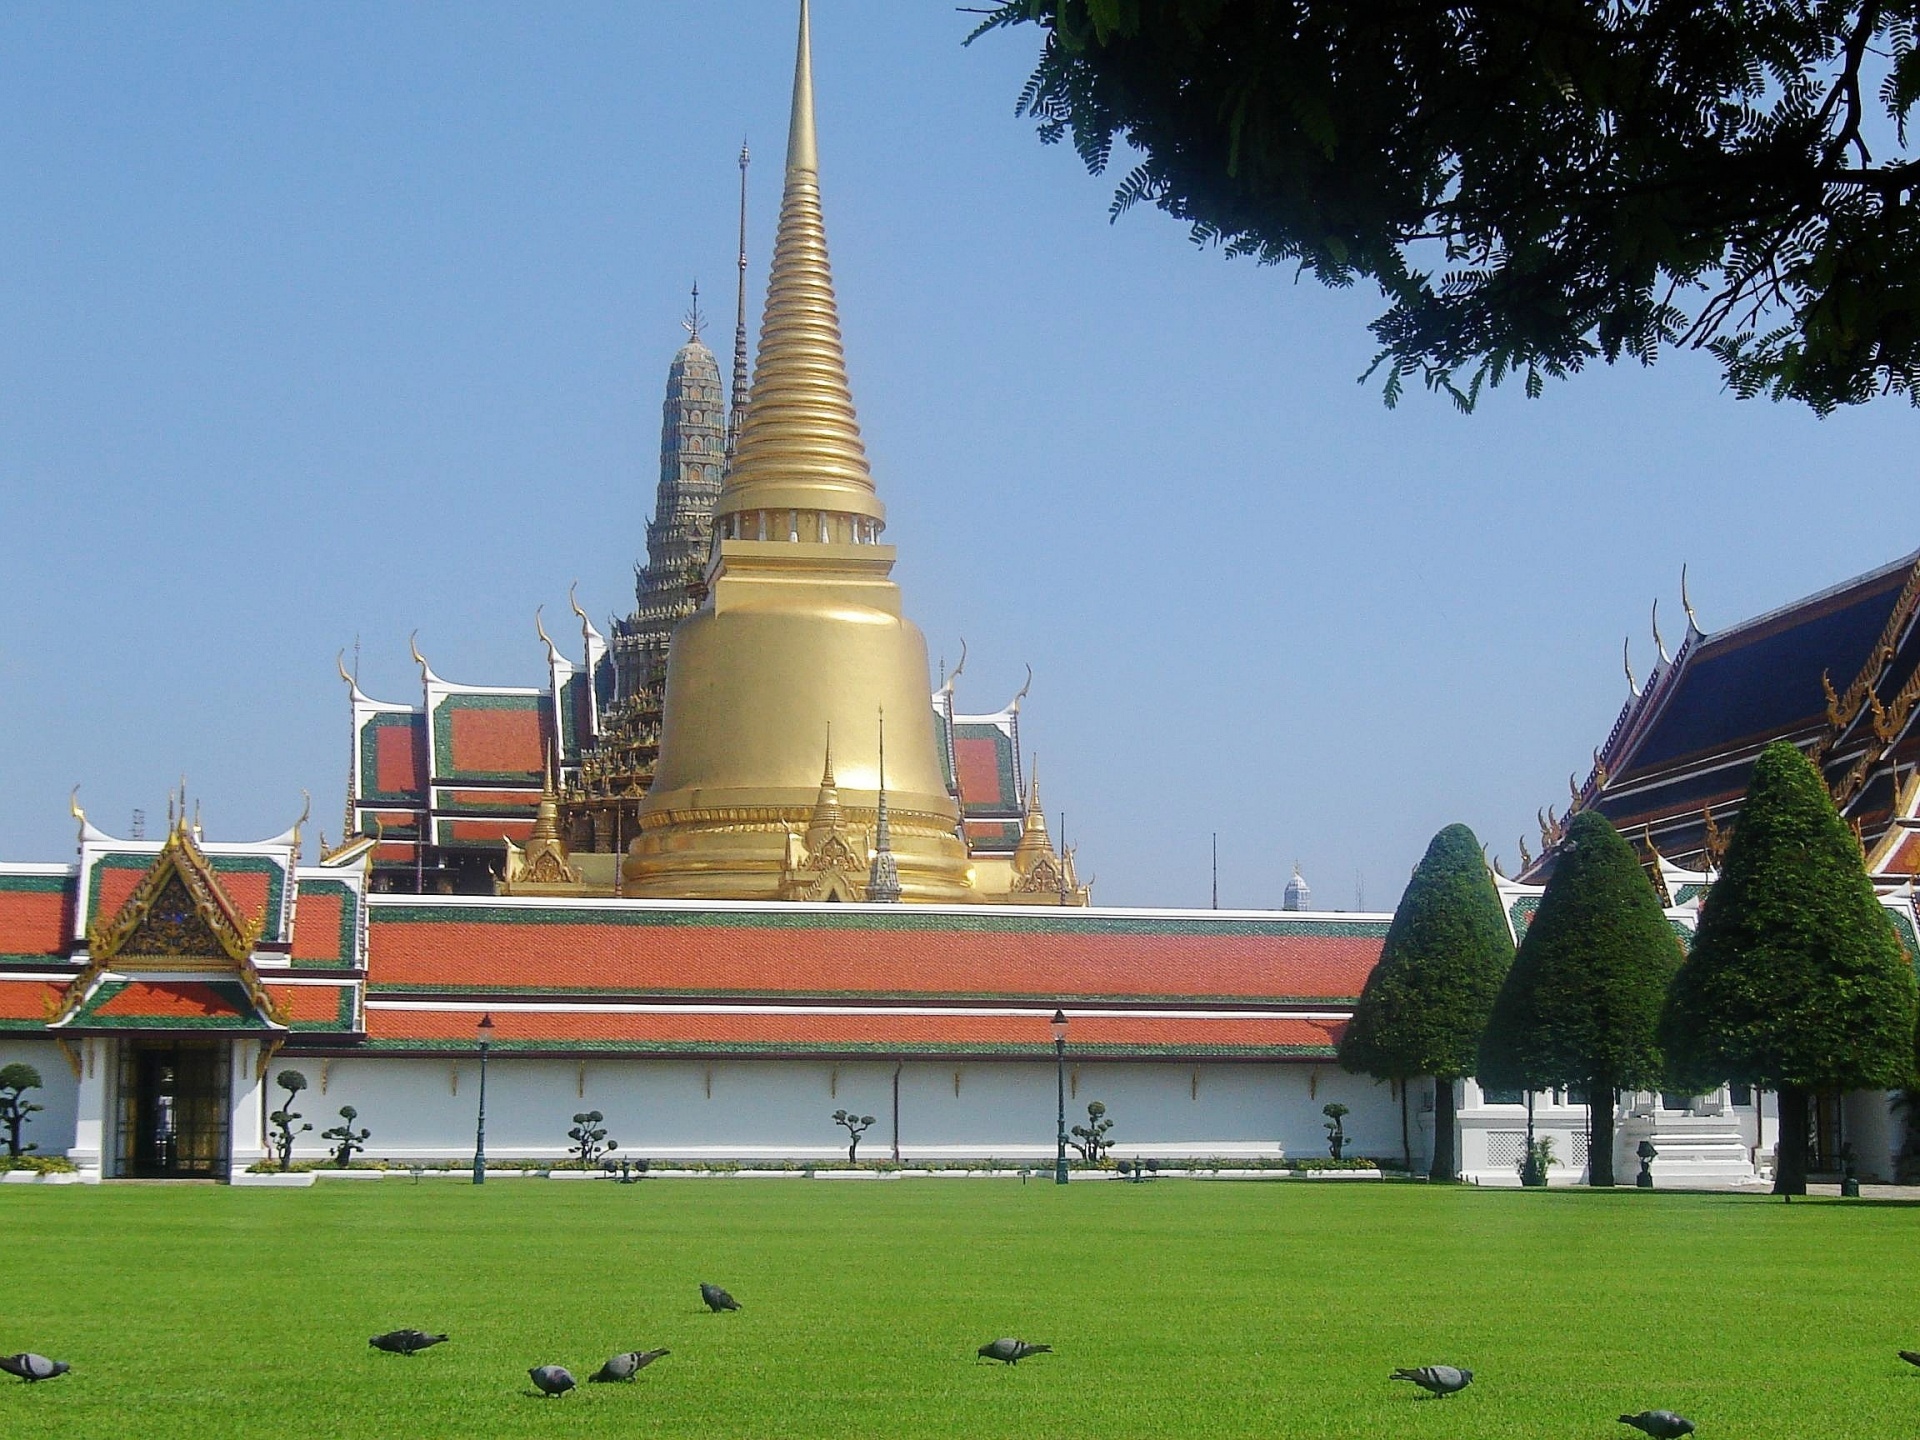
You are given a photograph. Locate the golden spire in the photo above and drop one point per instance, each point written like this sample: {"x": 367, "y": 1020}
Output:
{"x": 799, "y": 448}
{"x": 825, "y": 820}
{"x": 1035, "y": 844}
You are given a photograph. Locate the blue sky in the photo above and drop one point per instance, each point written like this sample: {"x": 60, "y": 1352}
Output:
{"x": 325, "y": 322}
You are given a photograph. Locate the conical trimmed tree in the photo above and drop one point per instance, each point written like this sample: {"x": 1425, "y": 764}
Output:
{"x": 1582, "y": 1003}
{"x": 1426, "y": 1002}
{"x": 1797, "y": 981}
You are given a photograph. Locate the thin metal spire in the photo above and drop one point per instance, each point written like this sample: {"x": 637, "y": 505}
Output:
{"x": 737, "y": 414}
{"x": 695, "y": 320}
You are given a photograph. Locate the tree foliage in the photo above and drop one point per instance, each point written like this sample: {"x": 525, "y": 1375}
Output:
{"x": 1582, "y": 1001}
{"x": 1533, "y": 184}
{"x": 1581, "y": 1006}
{"x": 1797, "y": 978}
{"x": 15, "y": 1109}
{"x": 1090, "y": 1139}
{"x": 1426, "y": 1002}
{"x": 855, "y": 1126}
{"x": 286, "y": 1121}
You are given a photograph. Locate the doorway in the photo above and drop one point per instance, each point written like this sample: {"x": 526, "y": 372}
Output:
{"x": 174, "y": 1110}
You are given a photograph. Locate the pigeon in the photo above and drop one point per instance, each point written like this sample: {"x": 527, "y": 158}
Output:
{"x": 717, "y": 1299}
{"x": 551, "y": 1379}
{"x": 405, "y": 1342}
{"x": 1436, "y": 1380}
{"x": 625, "y": 1366}
{"x": 1011, "y": 1351}
{"x": 31, "y": 1367}
{"x": 1660, "y": 1424}
{"x": 1912, "y": 1357}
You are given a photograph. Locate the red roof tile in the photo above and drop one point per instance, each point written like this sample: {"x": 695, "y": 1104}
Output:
{"x": 693, "y": 1030}
{"x": 28, "y": 999}
{"x": 33, "y": 922}
{"x": 813, "y": 954}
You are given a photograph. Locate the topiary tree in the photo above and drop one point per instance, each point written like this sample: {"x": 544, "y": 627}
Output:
{"x": 1426, "y": 1002}
{"x": 1797, "y": 981}
{"x": 1336, "y": 1114}
{"x": 284, "y": 1119}
{"x": 1581, "y": 1005}
{"x": 346, "y": 1139}
{"x": 1090, "y": 1139}
{"x": 855, "y": 1126}
{"x": 15, "y": 1109}
{"x": 589, "y": 1138}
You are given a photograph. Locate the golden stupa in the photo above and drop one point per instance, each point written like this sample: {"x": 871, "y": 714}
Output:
{"x": 800, "y": 643}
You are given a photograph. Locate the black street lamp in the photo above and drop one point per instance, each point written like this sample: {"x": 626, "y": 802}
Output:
{"x": 1059, "y": 1027}
{"x": 480, "y": 1132}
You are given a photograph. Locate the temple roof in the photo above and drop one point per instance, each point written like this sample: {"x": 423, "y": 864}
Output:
{"x": 453, "y": 945}
{"x": 1836, "y": 673}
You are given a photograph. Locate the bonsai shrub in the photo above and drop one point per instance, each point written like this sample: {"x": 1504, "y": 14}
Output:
{"x": 345, "y": 1138}
{"x": 1336, "y": 1114}
{"x": 1797, "y": 981}
{"x": 589, "y": 1136}
{"x": 286, "y": 1121}
{"x": 1090, "y": 1139}
{"x": 1426, "y": 1002}
{"x": 1581, "y": 1005}
{"x": 15, "y": 1109}
{"x": 855, "y": 1126}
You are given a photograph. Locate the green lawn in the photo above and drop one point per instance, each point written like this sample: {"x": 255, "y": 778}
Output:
{"x": 1177, "y": 1308}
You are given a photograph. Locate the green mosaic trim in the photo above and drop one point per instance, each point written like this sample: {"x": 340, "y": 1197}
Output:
{"x": 349, "y": 924}
{"x": 88, "y": 1016}
{"x": 511, "y": 804}
{"x": 876, "y": 918}
{"x": 35, "y": 884}
{"x": 222, "y": 865}
{"x": 21, "y": 1027}
{"x": 443, "y": 831}
{"x": 1904, "y": 928}
{"x": 756, "y": 1049}
{"x": 1027, "y": 999}
{"x": 444, "y": 770}
{"x": 1521, "y": 914}
{"x": 370, "y": 791}
{"x": 945, "y": 741}
{"x": 1688, "y": 892}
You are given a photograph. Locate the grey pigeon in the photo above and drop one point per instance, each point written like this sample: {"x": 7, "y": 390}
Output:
{"x": 1436, "y": 1380}
{"x": 31, "y": 1367}
{"x": 1660, "y": 1424}
{"x": 551, "y": 1379}
{"x": 625, "y": 1366}
{"x": 405, "y": 1342}
{"x": 1011, "y": 1351}
{"x": 717, "y": 1299}
{"x": 1912, "y": 1357}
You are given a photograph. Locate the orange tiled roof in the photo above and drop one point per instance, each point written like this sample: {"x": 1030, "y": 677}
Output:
{"x": 687, "y": 1029}
{"x": 490, "y": 947}
{"x": 34, "y": 922}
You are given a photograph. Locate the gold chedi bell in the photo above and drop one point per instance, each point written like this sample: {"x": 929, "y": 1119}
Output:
{"x": 801, "y": 631}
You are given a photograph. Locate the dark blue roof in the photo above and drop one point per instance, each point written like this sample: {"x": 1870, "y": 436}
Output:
{"x": 1763, "y": 679}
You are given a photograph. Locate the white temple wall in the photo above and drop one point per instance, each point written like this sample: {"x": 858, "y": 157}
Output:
{"x": 52, "y": 1129}
{"x": 749, "y": 1109}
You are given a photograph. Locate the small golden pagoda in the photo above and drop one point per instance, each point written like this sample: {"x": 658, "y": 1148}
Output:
{"x": 802, "y": 629}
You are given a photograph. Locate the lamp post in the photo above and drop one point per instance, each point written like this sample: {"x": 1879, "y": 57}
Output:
{"x": 1059, "y": 1027}
{"x": 480, "y": 1131}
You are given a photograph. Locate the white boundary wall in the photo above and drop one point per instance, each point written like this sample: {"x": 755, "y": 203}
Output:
{"x": 750, "y": 1109}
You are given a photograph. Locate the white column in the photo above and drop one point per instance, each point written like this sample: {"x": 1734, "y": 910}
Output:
{"x": 247, "y": 1116}
{"x": 93, "y": 1109}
